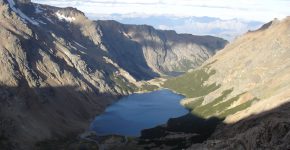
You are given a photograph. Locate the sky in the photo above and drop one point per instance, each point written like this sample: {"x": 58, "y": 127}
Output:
{"x": 223, "y": 18}
{"x": 259, "y": 10}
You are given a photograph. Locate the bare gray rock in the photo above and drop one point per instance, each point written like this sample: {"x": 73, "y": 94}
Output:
{"x": 165, "y": 52}
{"x": 59, "y": 69}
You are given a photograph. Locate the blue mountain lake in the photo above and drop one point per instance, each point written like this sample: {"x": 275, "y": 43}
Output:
{"x": 136, "y": 112}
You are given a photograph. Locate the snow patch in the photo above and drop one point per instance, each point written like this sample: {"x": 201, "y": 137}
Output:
{"x": 49, "y": 20}
{"x": 110, "y": 61}
{"x": 21, "y": 14}
{"x": 79, "y": 45}
{"x": 40, "y": 21}
{"x": 53, "y": 35}
{"x": 63, "y": 17}
{"x": 38, "y": 9}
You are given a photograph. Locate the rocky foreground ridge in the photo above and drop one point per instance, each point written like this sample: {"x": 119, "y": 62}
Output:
{"x": 260, "y": 70}
{"x": 247, "y": 84}
{"x": 239, "y": 98}
{"x": 59, "y": 69}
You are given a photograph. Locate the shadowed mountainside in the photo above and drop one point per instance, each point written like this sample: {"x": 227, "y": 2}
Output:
{"x": 266, "y": 130}
{"x": 251, "y": 71}
{"x": 249, "y": 76}
{"x": 59, "y": 69}
{"x": 36, "y": 114}
{"x": 165, "y": 51}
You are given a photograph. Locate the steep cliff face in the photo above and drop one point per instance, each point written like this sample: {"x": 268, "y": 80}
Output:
{"x": 51, "y": 84}
{"x": 165, "y": 52}
{"x": 59, "y": 69}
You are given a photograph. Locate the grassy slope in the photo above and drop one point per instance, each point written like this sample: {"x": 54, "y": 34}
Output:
{"x": 128, "y": 87}
{"x": 148, "y": 87}
{"x": 192, "y": 85}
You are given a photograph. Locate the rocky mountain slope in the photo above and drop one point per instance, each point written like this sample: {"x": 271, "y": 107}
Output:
{"x": 165, "y": 52}
{"x": 239, "y": 99}
{"x": 247, "y": 83}
{"x": 59, "y": 69}
{"x": 266, "y": 130}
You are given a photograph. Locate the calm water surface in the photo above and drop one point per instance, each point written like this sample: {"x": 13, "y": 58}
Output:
{"x": 135, "y": 112}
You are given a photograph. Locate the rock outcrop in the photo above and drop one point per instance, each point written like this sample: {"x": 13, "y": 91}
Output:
{"x": 247, "y": 84}
{"x": 266, "y": 130}
{"x": 262, "y": 70}
{"x": 165, "y": 52}
{"x": 59, "y": 69}
{"x": 252, "y": 69}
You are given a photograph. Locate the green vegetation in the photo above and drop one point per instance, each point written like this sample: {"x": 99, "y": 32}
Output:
{"x": 148, "y": 87}
{"x": 127, "y": 87}
{"x": 212, "y": 107}
{"x": 130, "y": 139}
{"x": 237, "y": 108}
{"x": 192, "y": 84}
{"x": 123, "y": 84}
{"x": 226, "y": 104}
{"x": 219, "y": 106}
{"x": 194, "y": 104}
{"x": 184, "y": 65}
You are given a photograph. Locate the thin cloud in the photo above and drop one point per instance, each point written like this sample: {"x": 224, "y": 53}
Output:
{"x": 262, "y": 10}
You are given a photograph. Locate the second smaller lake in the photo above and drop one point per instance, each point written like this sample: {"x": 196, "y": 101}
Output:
{"x": 136, "y": 112}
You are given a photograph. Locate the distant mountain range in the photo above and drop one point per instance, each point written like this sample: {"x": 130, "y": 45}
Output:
{"x": 227, "y": 29}
{"x": 239, "y": 98}
{"x": 59, "y": 69}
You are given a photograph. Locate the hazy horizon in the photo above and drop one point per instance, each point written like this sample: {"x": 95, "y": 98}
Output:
{"x": 226, "y": 19}
{"x": 258, "y": 10}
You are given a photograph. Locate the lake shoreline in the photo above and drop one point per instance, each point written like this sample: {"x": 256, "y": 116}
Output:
{"x": 141, "y": 110}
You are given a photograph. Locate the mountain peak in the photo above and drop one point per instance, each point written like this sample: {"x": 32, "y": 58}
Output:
{"x": 71, "y": 11}
{"x": 69, "y": 14}
{"x": 56, "y": 51}
{"x": 272, "y": 23}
